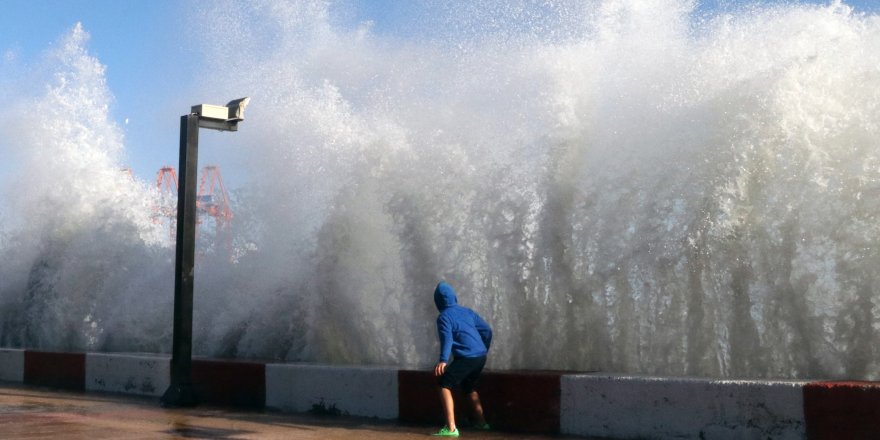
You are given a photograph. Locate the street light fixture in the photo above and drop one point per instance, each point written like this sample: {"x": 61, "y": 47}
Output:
{"x": 216, "y": 117}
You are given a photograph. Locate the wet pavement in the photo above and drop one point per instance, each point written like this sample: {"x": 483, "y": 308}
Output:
{"x": 34, "y": 413}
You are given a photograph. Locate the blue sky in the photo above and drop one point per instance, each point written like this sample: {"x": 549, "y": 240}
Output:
{"x": 151, "y": 66}
{"x": 141, "y": 43}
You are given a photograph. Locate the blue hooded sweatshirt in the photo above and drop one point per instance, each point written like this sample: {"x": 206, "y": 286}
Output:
{"x": 462, "y": 331}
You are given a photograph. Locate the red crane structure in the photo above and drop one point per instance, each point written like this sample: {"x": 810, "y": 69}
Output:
{"x": 212, "y": 200}
{"x": 166, "y": 183}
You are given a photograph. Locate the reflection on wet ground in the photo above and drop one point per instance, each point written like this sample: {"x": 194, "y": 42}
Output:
{"x": 33, "y": 413}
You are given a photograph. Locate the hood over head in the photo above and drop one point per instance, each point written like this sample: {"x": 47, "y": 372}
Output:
{"x": 444, "y": 296}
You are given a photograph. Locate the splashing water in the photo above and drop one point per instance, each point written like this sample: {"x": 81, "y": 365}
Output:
{"x": 84, "y": 225}
{"x": 616, "y": 185}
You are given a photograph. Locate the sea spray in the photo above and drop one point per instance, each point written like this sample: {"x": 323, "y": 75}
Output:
{"x": 645, "y": 189}
{"x": 82, "y": 226}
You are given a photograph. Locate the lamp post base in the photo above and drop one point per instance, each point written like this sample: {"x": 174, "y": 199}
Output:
{"x": 179, "y": 396}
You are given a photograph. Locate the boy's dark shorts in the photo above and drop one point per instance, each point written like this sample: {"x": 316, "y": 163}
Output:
{"x": 464, "y": 372}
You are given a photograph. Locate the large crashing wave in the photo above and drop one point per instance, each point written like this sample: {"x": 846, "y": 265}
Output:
{"x": 79, "y": 229}
{"x": 616, "y": 185}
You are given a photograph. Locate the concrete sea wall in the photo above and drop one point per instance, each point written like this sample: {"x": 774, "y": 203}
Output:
{"x": 620, "y": 407}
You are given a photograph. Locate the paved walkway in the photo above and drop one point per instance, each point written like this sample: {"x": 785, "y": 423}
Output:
{"x": 32, "y": 413}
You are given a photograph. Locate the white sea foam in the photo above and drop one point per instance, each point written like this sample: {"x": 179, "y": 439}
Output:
{"x": 79, "y": 229}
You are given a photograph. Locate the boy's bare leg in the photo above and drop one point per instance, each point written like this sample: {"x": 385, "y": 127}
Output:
{"x": 448, "y": 407}
{"x": 479, "y": 419}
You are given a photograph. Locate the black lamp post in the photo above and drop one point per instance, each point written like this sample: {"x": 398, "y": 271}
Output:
{"x": 224, "y": 118}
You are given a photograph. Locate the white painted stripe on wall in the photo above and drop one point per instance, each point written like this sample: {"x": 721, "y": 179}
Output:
{"x": 635, "y": 407}
{"x": 11, "y": 365}
{"x": 359, "y": 391}
{"x": 141, "y": 374}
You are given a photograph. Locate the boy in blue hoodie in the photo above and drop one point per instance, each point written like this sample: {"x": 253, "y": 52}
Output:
{"x": 466, "y": 336}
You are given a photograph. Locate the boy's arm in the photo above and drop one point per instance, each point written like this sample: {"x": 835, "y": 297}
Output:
{"x": 484, "y": 330}
{"x": 444, "y": 332}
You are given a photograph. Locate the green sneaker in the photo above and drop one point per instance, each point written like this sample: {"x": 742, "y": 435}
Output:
{"x": 445, "y": 432}
{"x": 483, "y": 427}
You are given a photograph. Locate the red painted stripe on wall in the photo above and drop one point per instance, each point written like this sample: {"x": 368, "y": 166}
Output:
{"x": 418, "y": 399}
{"x": 229, "y": 383}
{"x": 512, "y": 400}
{"x": 842, "y": 410}
{"x": 57, "y": 370}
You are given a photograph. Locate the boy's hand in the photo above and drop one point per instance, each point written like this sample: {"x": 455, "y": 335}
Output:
{"x": 439, "y": 369}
